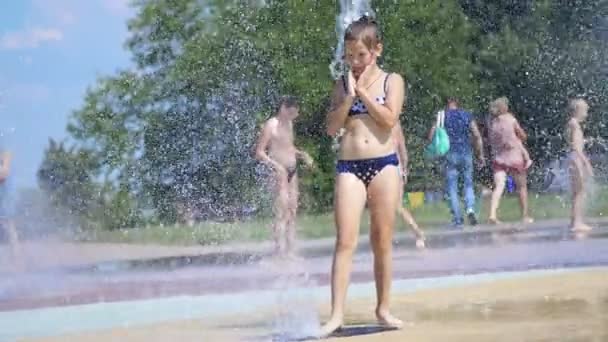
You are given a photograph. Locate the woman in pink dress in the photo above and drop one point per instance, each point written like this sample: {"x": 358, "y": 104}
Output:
{"x": 510, "y": 157}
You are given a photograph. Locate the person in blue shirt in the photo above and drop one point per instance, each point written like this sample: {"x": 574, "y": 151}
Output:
{"x": 462, "y": 132}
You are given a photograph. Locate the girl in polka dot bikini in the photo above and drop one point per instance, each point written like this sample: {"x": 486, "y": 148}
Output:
{"x": 366, "y": 102}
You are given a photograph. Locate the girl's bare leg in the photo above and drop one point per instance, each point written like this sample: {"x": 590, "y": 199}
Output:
{"x": 578, "y": 198}
{"x": 382, "y": 200}
{"x": 500, "y": 179}
{"x": 349, "y": 201}
{"x": 408, "y": 218}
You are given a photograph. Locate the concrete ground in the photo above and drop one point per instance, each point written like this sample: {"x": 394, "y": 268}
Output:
{"x": 120, "y": 285}
{"x": 564, "y": 306}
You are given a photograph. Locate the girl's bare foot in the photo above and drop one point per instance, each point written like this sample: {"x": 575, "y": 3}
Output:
{"x": 388, "y": 320}
{"x": 293, "y": 257}
{"x": 527, "y": 220}
{"x": 580, "y": 228}
{"x": 334, "y": 324}
{"x": 420, "y": 243}
{"x": 493, "y": 220}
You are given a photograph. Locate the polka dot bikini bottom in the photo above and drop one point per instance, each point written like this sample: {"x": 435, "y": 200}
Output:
{"x": 366, "y": 169}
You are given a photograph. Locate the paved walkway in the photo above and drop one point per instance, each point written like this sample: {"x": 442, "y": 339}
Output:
{"x": 52, "y": 254}
{"x": 65, "y": 277}
{"x": 534, "y": 306}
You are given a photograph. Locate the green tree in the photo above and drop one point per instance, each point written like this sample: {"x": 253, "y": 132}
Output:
{"x": 177, "y": 129}
{"x": 426, "y": 42}
{"x": 67, "y": 175}
{"x": 70, "y": 177}
{"x": 429, "y": 43}
{"x": 539, "y": 56}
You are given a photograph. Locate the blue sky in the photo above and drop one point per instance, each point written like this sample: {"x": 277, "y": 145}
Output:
{"x": 50, "y": 52}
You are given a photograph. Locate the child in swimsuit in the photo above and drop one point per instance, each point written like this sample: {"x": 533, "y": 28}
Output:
{"x": 366, "y": 102}
{"x": 405, "y": 214}
{"x": 579, "y": 164}
{"x": 277, "y": 138}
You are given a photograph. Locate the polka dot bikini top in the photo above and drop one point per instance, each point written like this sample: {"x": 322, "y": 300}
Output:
{"x": 358, "y": 107}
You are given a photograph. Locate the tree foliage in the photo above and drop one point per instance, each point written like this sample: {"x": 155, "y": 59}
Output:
{"x": 174, "y": 134}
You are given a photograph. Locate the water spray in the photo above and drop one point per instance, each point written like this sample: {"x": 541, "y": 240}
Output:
{"x": 350, "y": 10}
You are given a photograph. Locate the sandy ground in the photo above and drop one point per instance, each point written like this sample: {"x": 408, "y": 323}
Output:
{"x": 572, "y": 306}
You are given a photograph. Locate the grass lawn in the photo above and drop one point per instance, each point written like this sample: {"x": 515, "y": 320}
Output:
{"x": 430, "y": 216}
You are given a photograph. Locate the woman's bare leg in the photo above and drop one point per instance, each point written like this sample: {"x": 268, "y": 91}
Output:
{"x": 349, "y": 201}
{"x": 500, "y": 179}
{"x": 382, "y": 200}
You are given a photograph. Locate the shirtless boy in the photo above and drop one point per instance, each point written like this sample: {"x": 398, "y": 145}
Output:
{"x": 276, "y": 149}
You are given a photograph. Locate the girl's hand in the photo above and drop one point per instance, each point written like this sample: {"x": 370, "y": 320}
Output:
{"x": 310, "y": 163}
{"x": 306, "y": 158}
{"x": 404, "y": 175}
{"x": 365, "y": 77}
{"x": 352, "y": 83}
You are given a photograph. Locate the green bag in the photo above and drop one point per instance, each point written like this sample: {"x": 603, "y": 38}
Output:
{"x": 440, "y": 145}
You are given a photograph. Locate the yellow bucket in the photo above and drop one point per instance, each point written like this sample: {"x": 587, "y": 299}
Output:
{"x": 416, "y": 199}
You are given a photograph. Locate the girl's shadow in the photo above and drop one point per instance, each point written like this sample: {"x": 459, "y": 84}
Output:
{"x": 347, "y": 331}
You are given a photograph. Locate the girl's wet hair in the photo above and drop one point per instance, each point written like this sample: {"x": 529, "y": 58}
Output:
{"x": 366, "y": 30}
{"x": 574, "y": 104}
{"x": 501, "y": 101}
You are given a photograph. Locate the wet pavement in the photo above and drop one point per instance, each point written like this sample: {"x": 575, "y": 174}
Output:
{"x": 509, "y": 248}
